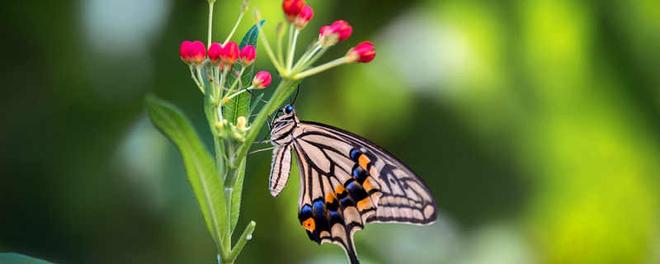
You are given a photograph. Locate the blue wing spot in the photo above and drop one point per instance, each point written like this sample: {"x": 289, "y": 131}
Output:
{"x": 355, "y": 154}
{"x": 356, "y": 191}
{"x": 305, "y": 212}
{"x": 359, "y": 173}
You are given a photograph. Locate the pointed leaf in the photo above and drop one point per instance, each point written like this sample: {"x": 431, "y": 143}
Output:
{"x": 200, "y": 168}
{"x": 15, "y": 258}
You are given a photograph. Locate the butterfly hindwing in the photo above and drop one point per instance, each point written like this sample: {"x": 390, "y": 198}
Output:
{"x": 347, "y": 182}
{"x": 325, "y": 209}
{"x": 400, "y": 195}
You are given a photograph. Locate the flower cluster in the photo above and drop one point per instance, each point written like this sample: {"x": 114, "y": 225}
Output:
{"x": 194, "y": 53}
{"x": 219, "y": 72}
{"x": 298, "y": 14}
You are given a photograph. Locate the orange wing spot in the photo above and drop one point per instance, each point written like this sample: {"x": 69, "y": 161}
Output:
{"x": 309, "y": 224}
{"x": 364, "y": 204}
{"x": 363, "y": 160}
{"x": 329, "y": 198}
{"x": 339, "y": 189}
{"x": 367, "y": 185}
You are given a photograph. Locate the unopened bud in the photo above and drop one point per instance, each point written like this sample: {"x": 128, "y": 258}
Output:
{"x": 262, "y": 80}
{"x": 248, "y": 54}
{"x": 192, "y": 52}
{"x": 305, "y": 15}
{"x": 363, "y": 52}
{"x": 292, "y": 8}
{"x": 332, "y": 34}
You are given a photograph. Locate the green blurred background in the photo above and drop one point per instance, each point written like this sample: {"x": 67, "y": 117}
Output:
{"x": 535, "y": 123}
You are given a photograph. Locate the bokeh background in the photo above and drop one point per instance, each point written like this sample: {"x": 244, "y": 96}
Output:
{"x": 535, "y": 123}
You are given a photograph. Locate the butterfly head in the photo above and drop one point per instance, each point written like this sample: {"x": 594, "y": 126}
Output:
{"x": 283, "y": 125}
{"x": 288, "y": 109}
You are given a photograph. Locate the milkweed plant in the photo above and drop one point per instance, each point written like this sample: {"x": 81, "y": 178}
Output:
{"x": 224, "y": 73}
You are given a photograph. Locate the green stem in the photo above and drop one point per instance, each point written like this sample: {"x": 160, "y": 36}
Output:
{"x": 218, "y": 230}
{"x": 318, "y": 69}
{"x": 305, "y": 58}
{"x": 240, "y": 244}
{"x": 192, "y": 74}
{"x": 208, "y": 43}
{"x": 233, "y": 30}
{"x": 292, "y": 49}
{"x": 269, "y": 51}
{"x": 280, "y": 37}
{"x": 238, "y": 78}
{"x": 238, "y": 93}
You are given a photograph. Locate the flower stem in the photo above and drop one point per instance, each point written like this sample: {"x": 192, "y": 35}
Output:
{"x": 210, "y": 33}
{"x": 192, "y": 74}
{"x": 238, "y": 93}
{"x": 318, "y": 69}
{"x": 247, "y": 235}
{"x": 292, "y": 49}
{"x": 233, "y": 30}
{"x": 280, "y": 37}
{"x": 307, "y": 56}
{"x": 264, "y": 41}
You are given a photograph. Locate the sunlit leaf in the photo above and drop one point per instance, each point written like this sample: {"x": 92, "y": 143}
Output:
{"x": 199, "y": 164}
{"x": 15, "y": 258}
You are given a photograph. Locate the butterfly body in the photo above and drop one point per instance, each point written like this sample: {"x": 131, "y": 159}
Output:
{"x": 346, "y": 181}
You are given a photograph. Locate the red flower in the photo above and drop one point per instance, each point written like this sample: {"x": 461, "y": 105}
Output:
{"x": 305, "y": 15}
{"x": 338, "y": 31}
{"x": 230, "y": 53}
{"x": 262, "y": 80}
{"x": 248, "y": 54}
{"x": 227, "y": 54}
{"x": 215, "y": 52}
{"x": 292, "y": 8}
{"x": 363, "y": 52}
{"x": 192, "y": 52}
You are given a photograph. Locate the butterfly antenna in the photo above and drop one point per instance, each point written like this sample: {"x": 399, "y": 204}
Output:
{"x": 260, "y": 150}
{"x": 295, "y": 97}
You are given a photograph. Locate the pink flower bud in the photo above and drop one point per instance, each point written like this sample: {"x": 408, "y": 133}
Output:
{"x": 305, "y": 15}
{"x": 230, "y": 53}
{"x": 262, "y": 80}
{"x": 215, "y": 52}
{"x": 363, "y": 52}
{"x": 292, "y": 8}
{"x": 248, "y": 54}
{"x": 338, "y": 31}
{"x": 192, "y": 52}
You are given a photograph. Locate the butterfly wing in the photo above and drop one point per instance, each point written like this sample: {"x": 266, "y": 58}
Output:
{"x": 347, "y": 181}
{"x": 279, "y": 169}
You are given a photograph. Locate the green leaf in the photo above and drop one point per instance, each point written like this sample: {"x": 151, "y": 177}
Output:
{"x": 15, "y": 258}
{"x": 199, "y": 164}
{"x": 236, "y": 195}
{"x": 240, "y": 105}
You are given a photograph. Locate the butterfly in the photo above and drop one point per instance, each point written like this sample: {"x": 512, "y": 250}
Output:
{"x": 345, "y": 181}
